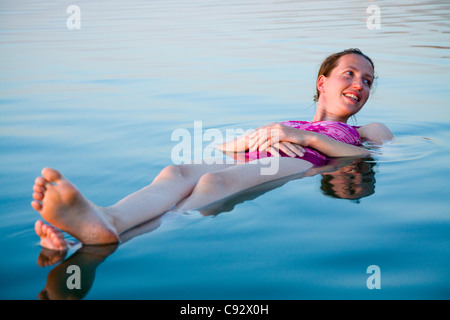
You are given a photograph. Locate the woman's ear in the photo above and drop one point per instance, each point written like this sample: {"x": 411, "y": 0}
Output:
{"x": 320, "y": 83}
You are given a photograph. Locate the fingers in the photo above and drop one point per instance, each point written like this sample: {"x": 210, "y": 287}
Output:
{"x": 262, "y": 138}
{"x": 266, "y": 144}
{"x": 292, "y": 150}
{"x": 257, "y": 139}
{"x": 274, "y": 152}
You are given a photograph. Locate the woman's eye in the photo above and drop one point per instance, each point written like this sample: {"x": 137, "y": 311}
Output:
{"x": 368, "y": 82}
{"x": 349, "y": 73}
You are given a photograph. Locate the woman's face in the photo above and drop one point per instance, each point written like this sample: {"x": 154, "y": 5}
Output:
{"x": 345, "y": 91}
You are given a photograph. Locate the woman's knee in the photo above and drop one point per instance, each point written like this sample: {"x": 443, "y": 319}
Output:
{"x": 210, "y": 182}
{"x": 170, "y": 172}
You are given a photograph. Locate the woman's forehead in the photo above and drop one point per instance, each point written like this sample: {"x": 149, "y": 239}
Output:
{"x": 356, "y": 62}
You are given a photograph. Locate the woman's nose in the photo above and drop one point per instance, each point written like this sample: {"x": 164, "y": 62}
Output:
{"x": 357, "y": 84}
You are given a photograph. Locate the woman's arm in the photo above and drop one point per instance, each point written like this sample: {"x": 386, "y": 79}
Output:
{"x": 376, "y": 132}
{"x": 236, "y": 145}
{"x": 264, "y": 137}
{"x": 334, "y": 148}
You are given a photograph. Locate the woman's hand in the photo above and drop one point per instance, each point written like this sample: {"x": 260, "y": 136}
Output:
{"x": 279, "y": 137}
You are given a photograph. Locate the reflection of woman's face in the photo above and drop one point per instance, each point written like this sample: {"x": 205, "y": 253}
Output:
{"x": 353, "y": 181}
{"x": 347, "y": 186}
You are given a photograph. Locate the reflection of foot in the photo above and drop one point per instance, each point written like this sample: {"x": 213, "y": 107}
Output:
{"x": 49, "y": 257}
{"x": 62, "y": 205}
{"x": 51, "y": 238}
{"x": 87, "y": 258}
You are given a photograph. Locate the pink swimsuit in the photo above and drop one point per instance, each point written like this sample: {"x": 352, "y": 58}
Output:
{"x": 336, "y": 130}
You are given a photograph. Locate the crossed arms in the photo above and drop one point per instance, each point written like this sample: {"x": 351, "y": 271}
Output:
{"x": 278, "y": 137}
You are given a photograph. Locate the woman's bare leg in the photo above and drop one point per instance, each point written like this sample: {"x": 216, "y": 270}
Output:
{"x": 62, "y": 205}
{"x": 173, "y": 184}
{"x": 186, "y": 187}
{"x": 221, "y": 184}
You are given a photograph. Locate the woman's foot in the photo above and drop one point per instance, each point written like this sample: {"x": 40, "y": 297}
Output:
{"x": 62, "y": 205}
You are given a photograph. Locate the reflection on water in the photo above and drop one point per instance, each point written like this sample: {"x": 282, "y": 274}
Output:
{"x": 352, "y": 182}
{"x": 406, "y": 148}
{"x": 87, "y": 259}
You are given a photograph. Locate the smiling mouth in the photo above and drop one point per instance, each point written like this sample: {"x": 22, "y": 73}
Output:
{"x": 352, "y": 96}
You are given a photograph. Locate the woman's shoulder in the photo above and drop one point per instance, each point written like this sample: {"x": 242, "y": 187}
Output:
{"x": 375, "y": 131}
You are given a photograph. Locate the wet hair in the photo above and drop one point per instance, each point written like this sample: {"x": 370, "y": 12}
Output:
{"x": 331, "y": 62}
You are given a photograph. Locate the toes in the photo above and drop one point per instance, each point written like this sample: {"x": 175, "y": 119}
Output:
{"x": 41, "y": 229}
{"x": 38, "y": 227}
{"x": 40, "y": 181}
{"x": 36, "y": 205}
{"x": 51, "y": 238}
{"x": 38, "y": 196}
{"x": 55, "y": 237}
{"x": 51, "y": 175}
{"x": 58, "y": 240}
{"x": 37, "y": 188}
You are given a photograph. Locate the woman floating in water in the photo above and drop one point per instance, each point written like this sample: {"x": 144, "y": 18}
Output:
{"x": 343, "y": 87}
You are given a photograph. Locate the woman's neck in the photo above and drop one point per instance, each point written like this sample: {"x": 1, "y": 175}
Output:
{"x": 322, "y": 115}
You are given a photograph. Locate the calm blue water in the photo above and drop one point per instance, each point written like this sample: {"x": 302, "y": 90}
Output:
{"x": 99, "y": 103}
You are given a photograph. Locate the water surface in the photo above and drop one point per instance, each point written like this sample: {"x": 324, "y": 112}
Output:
{"x": 100, "y": 104}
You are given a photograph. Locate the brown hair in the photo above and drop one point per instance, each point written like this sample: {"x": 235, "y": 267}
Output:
{"x": 331, "y": 62}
